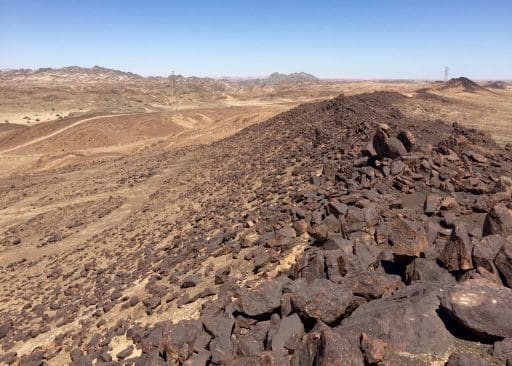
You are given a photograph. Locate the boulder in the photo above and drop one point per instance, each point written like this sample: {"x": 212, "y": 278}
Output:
{"x": 407, "y": 238}
{"x": 407, "y": 322}
{"x": 263, "y": 300}
{"x": 482, "y": 307}
{"x": 323, "y": 300}
{"x": 407, "y": 139}
{"x": 289, "y": 333}
{"x": 191, "y": 280}
{"x": 252, "y": 343}
{"x": 432, "y": 204}
{"x": 219, "y": 326}
{"x": 456, "y": 255}
{"x": 485, "y": 252}
{"x": 387, "y": 147}
{"x": 325, "y": 347}
{"x": 503, "y": 262}
{"x": 498, "y": 221}
{"x": 421, "y": 269}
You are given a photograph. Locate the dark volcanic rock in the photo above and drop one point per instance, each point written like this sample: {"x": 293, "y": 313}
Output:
{"x": 498, "y": 221}
{"x": 407, "y": 238}
{"x": 421, "y": 269}
{"x": 263, "y": 300}
{"x": 289, "y": 333}
{"x": 321, "y": 299}
{"x": 482, "y": 307}
{"x": 503, "y": 261}
{"x": 406, "y": 321}
{"x": 325, "y": 347}
{"x": 191, "y": 281}
{"x": 456, "y": 255}
{"x": 387, "y": 147}
{"x": 407, "y": 139}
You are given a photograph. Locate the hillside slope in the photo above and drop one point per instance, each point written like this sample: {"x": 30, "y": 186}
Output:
{"x": 306, "y": 239}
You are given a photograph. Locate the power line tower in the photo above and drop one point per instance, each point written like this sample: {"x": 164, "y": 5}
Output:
{"x": 172, "y": 85}
{"x": 446, "y": 71}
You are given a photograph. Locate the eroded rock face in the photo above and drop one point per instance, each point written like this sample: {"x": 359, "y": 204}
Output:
{"x": 482, "y": 307}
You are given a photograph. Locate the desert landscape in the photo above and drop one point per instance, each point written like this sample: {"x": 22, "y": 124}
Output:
{"x": 278, "y": 221}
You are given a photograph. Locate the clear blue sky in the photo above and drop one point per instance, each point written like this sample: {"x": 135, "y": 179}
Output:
{"x": 344, "y": 39}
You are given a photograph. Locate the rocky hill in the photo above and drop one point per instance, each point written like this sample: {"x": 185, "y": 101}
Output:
{"x": 70, "y": 74}
{"x": 97, "y": 74}
{"x": 463, "y": 84}
{"x": 340, "y": 232}
{"x": 296, "y": 77}
{"x": 496, "y": 85}
{"x": 278, "y": 79}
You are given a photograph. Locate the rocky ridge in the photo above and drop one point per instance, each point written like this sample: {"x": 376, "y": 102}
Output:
{"x": 364, "y": 238}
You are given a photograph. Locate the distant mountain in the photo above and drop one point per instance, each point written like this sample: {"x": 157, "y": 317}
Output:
{"x": 496, "y": 85}
{"x": 68, "y": 74}
{"x": 95, "y": 75}
{"x": 296, "y": 77}
{"x": 278, "y": 79}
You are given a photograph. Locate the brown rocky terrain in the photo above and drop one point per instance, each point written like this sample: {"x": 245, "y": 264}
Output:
{"x": 351, "y": 231}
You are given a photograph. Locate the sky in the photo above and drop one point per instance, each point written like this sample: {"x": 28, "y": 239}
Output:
{"x": 369, "y": 39}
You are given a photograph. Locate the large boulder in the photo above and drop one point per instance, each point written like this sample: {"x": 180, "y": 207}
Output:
{"x": 387, "y": 147}
{"x": 482, "y": 307}
{"x": 407, "y": 322}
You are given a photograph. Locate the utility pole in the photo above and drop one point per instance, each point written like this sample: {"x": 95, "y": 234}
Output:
{"x": 446, "y": 70}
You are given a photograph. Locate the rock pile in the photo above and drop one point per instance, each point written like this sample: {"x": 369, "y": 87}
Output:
{"x": 399, "y": 233}
{"x": 408, "y": 260}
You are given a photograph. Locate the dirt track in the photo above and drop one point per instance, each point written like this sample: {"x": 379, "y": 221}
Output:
{"x": 42, "y": 138}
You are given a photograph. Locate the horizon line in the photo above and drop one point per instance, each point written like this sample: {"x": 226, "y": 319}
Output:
{"x": 253, "y": 77}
